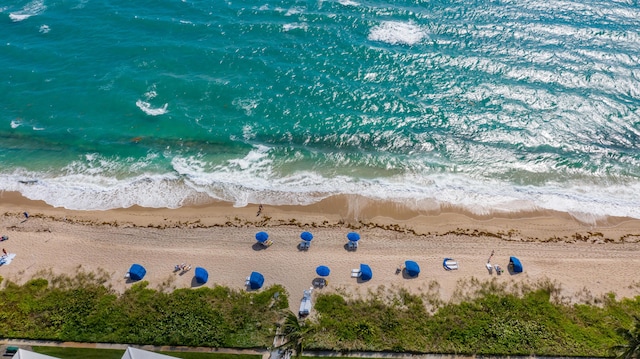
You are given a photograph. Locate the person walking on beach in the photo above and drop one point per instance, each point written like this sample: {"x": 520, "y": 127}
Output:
{"x": 259, "y": 210}
{"x": 4, "y": 251}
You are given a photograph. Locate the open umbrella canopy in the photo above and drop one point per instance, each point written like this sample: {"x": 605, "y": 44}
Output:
{"x": 137, "y": 272}
{"x": 201, "y": 275}
{"x": 323, "y": 271}
{"x": 365, "y": 272}
{"x": 353, "y": 236}
{"x": 412, "y": 268}
{"x": 515, "y": 265}
{"x": 262, "y": 237}
{"x": 256, "y": 280}
{"x": 306, "y": 236}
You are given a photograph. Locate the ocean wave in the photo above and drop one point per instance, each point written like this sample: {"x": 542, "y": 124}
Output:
{"x": 396, "y": 32}
{"x": 146, "y": 108}
{"x": 33, "y": 8}
{"x": 254, "y": 178}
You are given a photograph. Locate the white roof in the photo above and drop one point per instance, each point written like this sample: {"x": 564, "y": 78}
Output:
{"x": 25, "y": 354}
{"x": 133, "y": 353}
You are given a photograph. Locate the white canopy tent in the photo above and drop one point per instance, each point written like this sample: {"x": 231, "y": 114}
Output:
{"x": 25, "y": 354}
{"x": 133, "y": 353}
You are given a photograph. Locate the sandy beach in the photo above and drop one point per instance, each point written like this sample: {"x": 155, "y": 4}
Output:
{"x": 586, "y": 259}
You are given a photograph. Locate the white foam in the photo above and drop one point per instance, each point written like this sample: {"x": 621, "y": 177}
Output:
{"x": 19, "y": 17}
{"x": 294, "y": 11}
{"x": 33, "y": 8}
{"x": 44, "y": 29}
{"x": 246, "y": 104}
{"x": 289, "y": 27}
{"x": 396, "y": 32}
{"x": 98, "y": 183}
{"x": 348, "y": 3}
{"x": 146, "y": 108}
{"x": 15, "y": 123}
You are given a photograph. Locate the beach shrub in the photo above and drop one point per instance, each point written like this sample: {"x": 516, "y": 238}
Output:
{"x": 490, "y": 320}
{"x": 487, "y": 318}
{"x": 83, "y": 309}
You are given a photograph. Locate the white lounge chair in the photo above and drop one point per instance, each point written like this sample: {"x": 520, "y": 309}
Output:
{"x": 247, "y": 281}
{"x": 489, "y": 268}
{"x": 305, "y": 303}
{"x": 450, "y": 264}
{"x": 355, "y": 273}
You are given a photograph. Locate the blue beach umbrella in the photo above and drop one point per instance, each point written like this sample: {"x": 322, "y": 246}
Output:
{"x": 201, "y": 275}
{"x": 323, "y": 271}
{"x": 412, "y": 268}
{"x": 137, "y": 272}
{"x": 365, "y": 272}
{"x": 306, "y": 236}
{"x": 256, "y": 280}
{"x": 353, "y": 236}
{"x": 262, "y": 237}
{"x": 515, "y": 265}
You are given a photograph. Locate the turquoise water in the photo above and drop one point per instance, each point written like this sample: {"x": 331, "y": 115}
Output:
{"x": 495, "y": 106}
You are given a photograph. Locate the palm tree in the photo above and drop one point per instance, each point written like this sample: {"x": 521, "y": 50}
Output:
{"x": 295, "y": 332}
{"x": 630, "y": 350}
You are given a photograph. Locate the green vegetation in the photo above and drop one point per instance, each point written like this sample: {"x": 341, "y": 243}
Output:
{"x": 485, "y": 318}
{"x": 489, "y": 319}
{"x": 83, "y": 353}
{"x": 82, "y": 309}
{"x": 631, "y": 348}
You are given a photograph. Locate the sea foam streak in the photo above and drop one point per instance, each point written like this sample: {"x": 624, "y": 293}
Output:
{"x": 146, "y": 108}
{"x": 395, "y": 32}
{"x": 33, "y": 8}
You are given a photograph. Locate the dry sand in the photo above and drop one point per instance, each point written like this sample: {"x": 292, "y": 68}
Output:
{"x": 585, "y": 259}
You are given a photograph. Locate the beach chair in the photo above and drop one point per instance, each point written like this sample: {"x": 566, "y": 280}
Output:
{"x": 450, "y": 264}
{"x": 304, "y": 245}
{"x": 355, "y": 273}
{"x": 247, "y": 281}
{"x": 352, "y": 246}
{"x": 489, "y": 268}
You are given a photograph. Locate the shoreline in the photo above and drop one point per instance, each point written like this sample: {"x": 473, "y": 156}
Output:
{"x": 349, "y": 212}
{"x": 586, "y": 261}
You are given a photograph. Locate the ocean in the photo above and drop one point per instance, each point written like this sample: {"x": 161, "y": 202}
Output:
{"x": 493, "y": 106}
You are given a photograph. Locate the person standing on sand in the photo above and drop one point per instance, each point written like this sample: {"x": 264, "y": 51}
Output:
{"x": 4, "y": 251}
{"x": 259, "y": 210}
